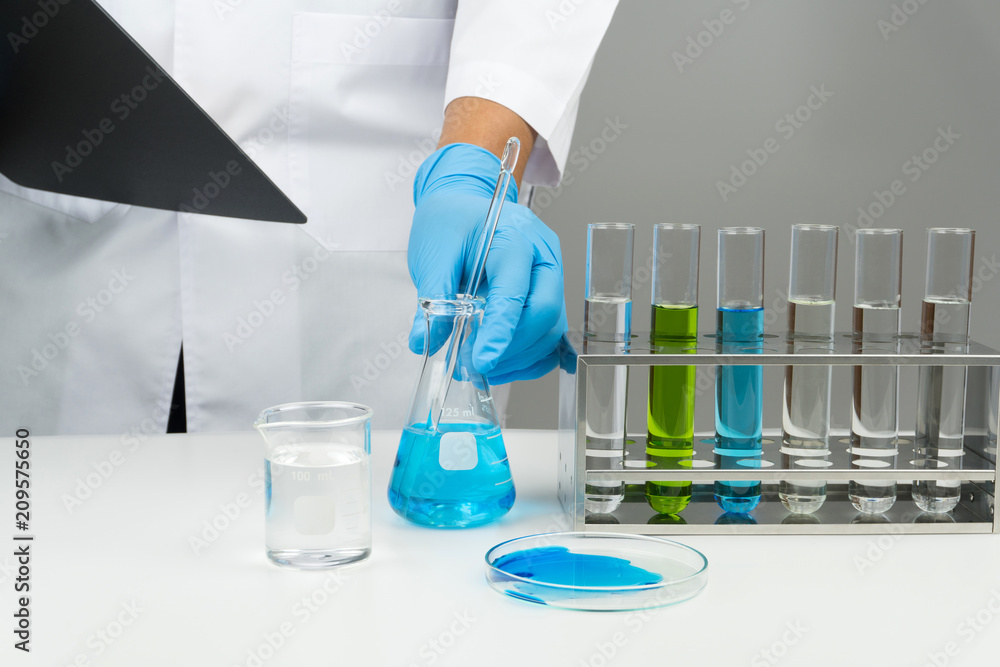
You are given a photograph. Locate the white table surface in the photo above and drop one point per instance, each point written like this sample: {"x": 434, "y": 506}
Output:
{"x": 121, "y": 566}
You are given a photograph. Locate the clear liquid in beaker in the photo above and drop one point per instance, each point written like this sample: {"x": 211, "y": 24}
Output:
{"x": 318, "y": 504}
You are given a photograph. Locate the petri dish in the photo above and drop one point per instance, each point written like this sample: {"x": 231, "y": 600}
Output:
{"x": 596, "y": 571}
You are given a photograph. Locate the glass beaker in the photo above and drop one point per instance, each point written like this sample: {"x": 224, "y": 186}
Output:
{"x": 318, "y": 483}
{"x": 451, "y": 469}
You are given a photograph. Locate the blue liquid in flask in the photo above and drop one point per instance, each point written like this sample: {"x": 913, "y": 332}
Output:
{"x": 739, "y": 407}
{"x": 456, "y": 477}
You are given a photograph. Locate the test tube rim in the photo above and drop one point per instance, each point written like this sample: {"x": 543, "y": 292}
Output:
{"x": 685, "y": 226}
{"x": 819, "y": 226}
{"x": 880, "y": 231}
{"x": 740, "y": 230}
{"x": 611, "y": 225}
{"x": 950, "y": 230}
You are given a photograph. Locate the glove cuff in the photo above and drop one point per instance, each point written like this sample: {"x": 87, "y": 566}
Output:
{"x": 460, "y": 166}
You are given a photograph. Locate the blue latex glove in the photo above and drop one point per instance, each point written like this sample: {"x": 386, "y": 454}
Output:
{"x": 525, "y": 314}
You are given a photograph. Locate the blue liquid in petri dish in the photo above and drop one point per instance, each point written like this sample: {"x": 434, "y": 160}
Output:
{"x": 561, "y": 567}
{"x": 738, "y": 407}
{"x": 596, "y": 571}
{"x": 464, "y": 484}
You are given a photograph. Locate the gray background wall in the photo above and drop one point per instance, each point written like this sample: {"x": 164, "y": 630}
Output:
{"x": 897, "y": 72}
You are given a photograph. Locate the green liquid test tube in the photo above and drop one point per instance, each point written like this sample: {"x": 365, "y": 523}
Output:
{"x": 674, "y": 330}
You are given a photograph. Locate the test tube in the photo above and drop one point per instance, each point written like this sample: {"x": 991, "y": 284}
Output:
{"x": 607, "y": 328}
{"x": 944, "y": 328}
{"x": 875, "y": 419}
{"x": 805, "y": 423}
{"x": 674, "y": 330}
{"x": 739, "y": 330}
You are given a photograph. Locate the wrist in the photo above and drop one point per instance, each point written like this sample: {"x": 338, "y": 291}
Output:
{"x": 459, "y": 166}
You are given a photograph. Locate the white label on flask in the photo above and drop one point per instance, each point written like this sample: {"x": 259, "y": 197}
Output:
{"x": 458, "y": 451}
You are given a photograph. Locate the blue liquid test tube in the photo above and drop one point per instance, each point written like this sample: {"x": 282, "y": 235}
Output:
{"x": 738, "y": 389}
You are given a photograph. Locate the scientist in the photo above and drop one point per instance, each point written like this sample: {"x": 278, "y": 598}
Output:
{"x": 340, "y": 103}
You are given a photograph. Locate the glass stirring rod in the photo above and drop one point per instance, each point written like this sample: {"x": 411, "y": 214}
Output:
{"x": 507, "y": 163}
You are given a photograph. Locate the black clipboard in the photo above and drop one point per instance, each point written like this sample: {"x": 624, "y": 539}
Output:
{"x": 85, "y": 111}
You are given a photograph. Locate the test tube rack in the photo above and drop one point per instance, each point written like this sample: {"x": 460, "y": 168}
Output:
{"x": 977, "y": 472}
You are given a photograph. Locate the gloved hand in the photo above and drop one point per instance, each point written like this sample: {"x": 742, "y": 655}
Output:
{"x": 525, "y": 313}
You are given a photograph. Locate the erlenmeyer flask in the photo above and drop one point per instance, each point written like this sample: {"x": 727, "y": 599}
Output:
{"x": 451, "y": 469}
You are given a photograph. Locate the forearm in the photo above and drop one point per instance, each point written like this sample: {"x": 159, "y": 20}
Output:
{"x": 473, "y": 120}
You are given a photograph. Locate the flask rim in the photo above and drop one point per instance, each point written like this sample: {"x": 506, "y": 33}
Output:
{"x": 452, "y": 304}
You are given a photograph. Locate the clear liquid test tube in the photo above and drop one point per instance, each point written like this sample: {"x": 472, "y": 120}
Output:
{"x": 607, "y": 328}
{"x": 738, "y": 389}
{"x": 812, "y": 290}
{"x": 875, "y": 417}
{"x": 944, "y": 328}
{"x": 673, "y": 330}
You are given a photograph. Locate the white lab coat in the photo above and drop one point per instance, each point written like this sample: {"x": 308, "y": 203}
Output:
{"x": 338, "y": 102}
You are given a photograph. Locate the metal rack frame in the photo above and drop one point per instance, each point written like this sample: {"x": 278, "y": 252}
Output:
{"x": 975, "y": 513}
